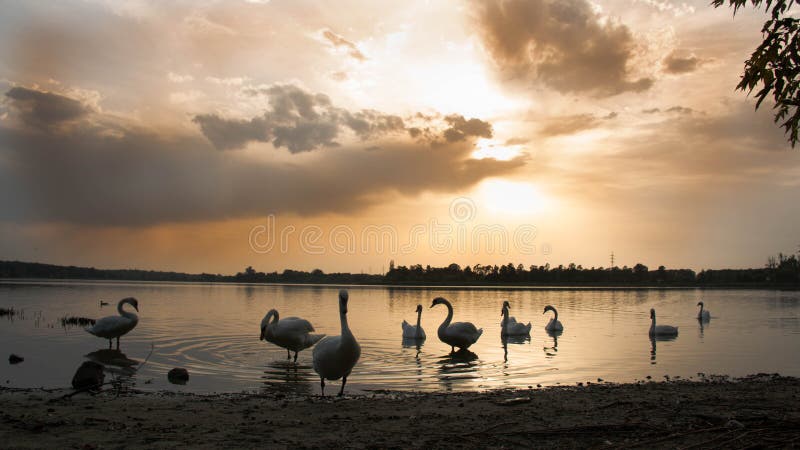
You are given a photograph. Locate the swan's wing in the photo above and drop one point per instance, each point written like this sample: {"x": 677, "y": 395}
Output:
{"x": 293, "y": 325}
{"x": 312, "y": 339}
{"x": 465, "y": 327}
{"x": 109, "y": 326}
{"x": 405, "y": 325}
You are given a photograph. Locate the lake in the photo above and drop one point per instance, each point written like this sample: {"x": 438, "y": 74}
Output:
{"x": 213, "y": 331}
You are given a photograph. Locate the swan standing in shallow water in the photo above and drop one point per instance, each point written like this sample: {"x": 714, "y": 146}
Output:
{"x": 704, "y": 314}
{"x": 115, "y": 326}
{"x": 458, "y": 334}
{"x": 553, "y": 325}
{"x": 414, "y": 331}
{"x": 334, "y": 357}
{"x": 510, "y": 326}
{"x": 291, "y": 333}
{"x": 661, "y": 330}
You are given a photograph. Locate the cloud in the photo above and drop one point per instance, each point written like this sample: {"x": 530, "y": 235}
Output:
{"x": 103, "y": 170}
{"x": 302, "y": 121}
{"x": 461, "y": 128}
{"x": 339, "y": 41}
{"x": 44, "y": 109}
{"x": 675, "y": 64}
{"x": 563, "y": 44}
{"x": 678, "y": 109}
{"x": 565, "y": 125}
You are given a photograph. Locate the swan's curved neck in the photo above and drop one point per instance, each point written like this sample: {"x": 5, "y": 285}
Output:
{"x": 449, "y": 317}
{"x": 419, "y": 318}
{"x": 556, "y": 315}
{"x": 124, "y": 313}
{"x": 505, "y": 317}
{"x": 276, "y": 317}
{"x": 701, "y": 308}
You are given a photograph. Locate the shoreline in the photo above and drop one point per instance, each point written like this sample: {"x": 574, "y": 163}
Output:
{"x": 717, "y": 412}
{"x": 483, "y": 286}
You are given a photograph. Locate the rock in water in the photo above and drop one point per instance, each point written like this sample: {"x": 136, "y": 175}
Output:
{"x": 90, "y": 374}
{"x": 15, "y": 359}
{"x": 178, "y": 376}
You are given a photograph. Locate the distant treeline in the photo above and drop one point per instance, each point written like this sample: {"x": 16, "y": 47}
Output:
{"x": 780, "y": 271}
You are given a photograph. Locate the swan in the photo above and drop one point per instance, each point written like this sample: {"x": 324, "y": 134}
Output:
{"x": 553, "y": 324}
{"x": 291, "y": 333}
{"x": 115, "y": 326}
{"x": 661, "y": 330}
{"x": 704, "y": 314}
{"x": 459, "y": 334}
{"x": 510, "y": 326}
{"x": 414, "y": 331}
{"x": 335, "y": 356}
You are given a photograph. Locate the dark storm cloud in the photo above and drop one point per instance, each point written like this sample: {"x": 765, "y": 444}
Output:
{"x": 43, "y": 109}
{"x": 675, "y": 64}
{"x": 561, "y": 43}
{"x": 104, "y": 171}
{"x": 339, "y": 41}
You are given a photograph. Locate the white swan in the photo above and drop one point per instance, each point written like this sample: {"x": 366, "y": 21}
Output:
{"x": 704, "y": 314}
{"x": 458, "y": 334}
{"x": 115, "y": 326}
{"x": 414, "y": 331}
{"x": 661, "y": 330}
{"x": 553, "y": 325}
{"x": 291, "y": 333}
{"x": 334, "y": 357}
{"x": 509, "y": 325}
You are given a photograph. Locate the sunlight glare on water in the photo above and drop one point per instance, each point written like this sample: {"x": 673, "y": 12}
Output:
{"x": 213, "y": 331}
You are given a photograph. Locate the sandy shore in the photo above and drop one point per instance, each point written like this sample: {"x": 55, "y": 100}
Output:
{"x": 721, "y": 413}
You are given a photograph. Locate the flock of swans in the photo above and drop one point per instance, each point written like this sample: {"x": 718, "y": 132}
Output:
{"x": 335, "y": 356}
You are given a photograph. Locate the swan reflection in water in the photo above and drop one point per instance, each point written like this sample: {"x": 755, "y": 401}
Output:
{"x": 458, "y": 366}
{"x": 515, "y": 340}
{"x": 117, "y": 364}
{"x": 413, "y": 343}
{"x": 285, "y": 376}
{"x": 653, "y": 340}
{"x": 551, "y": 352}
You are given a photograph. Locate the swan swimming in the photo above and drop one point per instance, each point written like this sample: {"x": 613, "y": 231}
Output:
{"x": 661, "y": 330}
{"x": 335, "y": 356}
{"x": 553, "y": 325}
{"x": 414, "y": 331}
{"x": 704, "y": 314}
{"x": 510, "y": 326}
{"x": 291, "y": 333}
{"x": 458, "y": 334}
{"x": 115, "y": 326}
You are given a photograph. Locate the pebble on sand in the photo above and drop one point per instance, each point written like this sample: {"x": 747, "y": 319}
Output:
{"x": 178, "y": 375}
{"x": 89, "y": 374}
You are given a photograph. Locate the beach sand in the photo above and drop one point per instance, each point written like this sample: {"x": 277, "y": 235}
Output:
{"x": 715, "y": 412}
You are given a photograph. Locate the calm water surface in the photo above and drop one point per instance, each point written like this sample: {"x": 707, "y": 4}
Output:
{"x": 212, "y": 330}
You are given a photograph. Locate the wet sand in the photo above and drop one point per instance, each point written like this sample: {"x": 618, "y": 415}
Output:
{"x": 718, "y": 412}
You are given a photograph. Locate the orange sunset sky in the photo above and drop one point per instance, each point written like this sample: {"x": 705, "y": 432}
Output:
{"x": 167, "y": 135}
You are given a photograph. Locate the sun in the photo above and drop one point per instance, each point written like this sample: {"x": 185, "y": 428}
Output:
{"x": 512, "y": 198}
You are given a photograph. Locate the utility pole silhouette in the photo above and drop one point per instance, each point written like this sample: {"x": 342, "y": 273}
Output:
{"x": 612, "y": 259}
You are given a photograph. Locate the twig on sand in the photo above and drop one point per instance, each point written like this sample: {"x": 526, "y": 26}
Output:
{"x": 486, "y": 430}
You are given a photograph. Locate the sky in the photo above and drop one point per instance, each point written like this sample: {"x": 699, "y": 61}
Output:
{"x": 207, "y": 136}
